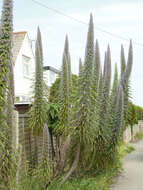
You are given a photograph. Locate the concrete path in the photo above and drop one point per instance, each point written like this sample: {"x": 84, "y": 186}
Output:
{"x": 132, "y": 176}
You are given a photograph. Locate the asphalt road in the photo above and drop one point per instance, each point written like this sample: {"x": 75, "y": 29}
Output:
{"x": 132, "y": 176}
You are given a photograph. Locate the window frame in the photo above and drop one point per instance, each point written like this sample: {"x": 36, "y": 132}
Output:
{"x": 24, "y": 63}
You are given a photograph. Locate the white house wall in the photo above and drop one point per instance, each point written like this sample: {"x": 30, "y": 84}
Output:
{"x": 23, "y": 84}
{"x": 47, "y": 77}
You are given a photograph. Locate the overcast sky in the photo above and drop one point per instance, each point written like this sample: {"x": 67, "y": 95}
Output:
{"x": 122, "y": 17}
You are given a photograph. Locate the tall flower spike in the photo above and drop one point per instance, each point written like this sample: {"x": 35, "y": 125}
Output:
{"x": 67, "y": 54}
{"x": 129, "y": 62}
{"x": 39, "y": 39}
{"x": 105, "y": 64}
{"x": 89, "y": 58}
{"x": 109, "y": 66}
{"x": 123, "y": 62}
{"x": 65, "y": 90}
{"x": 6, "y": 32}
{"x": 64, "y": 96}
{"x": 103, "y": 132}
{"x": 84, "y": 111}
{"x": 66, "y": 48}
{"x": 84, "y": 134}
{"x": 37, "y": 110}
{"x": 97, "y": 62}
{"x": 107, "y": 72}
{"x": 80, "y": 67}
{"x": 115, "y": 81}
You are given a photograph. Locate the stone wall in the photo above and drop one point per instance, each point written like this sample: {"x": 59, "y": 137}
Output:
{"x": 129, "y": 134}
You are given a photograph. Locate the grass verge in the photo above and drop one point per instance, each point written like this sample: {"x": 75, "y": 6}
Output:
{"x": 101, "y": 181}
{"x": 91, "y": 181}
{"x": 124, "y": 149}
{"x": 138, "y": 137}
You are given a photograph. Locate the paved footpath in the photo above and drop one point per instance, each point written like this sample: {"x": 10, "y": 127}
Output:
{"x": 132, "y": 176}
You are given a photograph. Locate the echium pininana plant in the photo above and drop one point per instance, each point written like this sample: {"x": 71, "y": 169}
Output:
{"x": 106, "y": 87}
{"x": 105, "y": 62}
{"x": 97, "y": 73}
{"x": 62, "y": 129}
{"x": 37, "y": 119}
{"x": 111, "y": 116}
{"x": 85, "y": 97}
{"x": 121, "y": 98}
{"x": 125, "y": 88}
{"x": 99, "y": 102}
{"x": 102, "y": 137}
{"x": 94, "y": 81}
{"x": 80, "y": 76}
{"x": 69, "y": 78}
{"x": 125, "y": 79}
{"x": 80, "y": 67}
{"x": 10, "y": 100}
{"x": 99, "y": 91}
{"x": 65, "y": 90}
{"x": 83, "y": 134}
{"x": 64, "y": 95}
{"x": 129, "y": 63}
{"x": 97, "y": 63}
{"x": 118, "y": 120}
{"x": 123, "y": 62}
{"x": 6, "y": 31}
{"x": 95, "y": 99}
{"x": 115, "y": 84}
{"x": 95, "y": 106}
{"x": 85, "y": 130}
{"x": 38, "y": 111}
{"x": 67, "y": 54}
{"x": 113, "y": 96}
{"x": 39, "y": 39}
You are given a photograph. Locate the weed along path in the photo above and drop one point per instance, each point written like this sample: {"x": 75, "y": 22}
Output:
{"x": 132, "y": 176}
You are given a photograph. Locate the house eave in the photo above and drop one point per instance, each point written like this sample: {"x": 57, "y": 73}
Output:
{"x": 51, "y": 69}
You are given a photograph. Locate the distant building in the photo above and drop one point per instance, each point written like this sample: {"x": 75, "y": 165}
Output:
{"x": 50, "y": 75}
{"x": 24, "y": 66}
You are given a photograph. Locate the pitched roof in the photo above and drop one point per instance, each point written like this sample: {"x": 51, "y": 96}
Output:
{"x": 51, "y": 69}
{"x": 18, "y": 38}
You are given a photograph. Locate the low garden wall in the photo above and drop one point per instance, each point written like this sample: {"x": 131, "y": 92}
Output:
{"x": 130, "y": 133}
{"x": 24, "y": 135}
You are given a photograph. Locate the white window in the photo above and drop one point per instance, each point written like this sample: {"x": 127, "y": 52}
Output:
{"x": 25, "y": 61}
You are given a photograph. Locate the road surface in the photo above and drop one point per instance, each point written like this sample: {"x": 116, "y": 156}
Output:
{"x": 132, "y": 176}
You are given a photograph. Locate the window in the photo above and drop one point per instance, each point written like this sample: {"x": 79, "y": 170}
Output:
{"x": 25, "y": 61}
